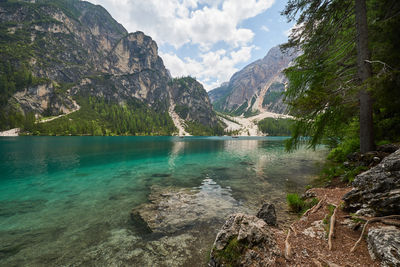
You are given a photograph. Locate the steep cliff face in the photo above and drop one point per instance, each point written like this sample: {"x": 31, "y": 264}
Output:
{"x": 70, "y": 49}
{"x": 257, "y": 87}
{"x": 192, "y": 102}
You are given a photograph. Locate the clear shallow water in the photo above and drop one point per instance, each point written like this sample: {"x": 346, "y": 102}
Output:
{"x": 67, "y": 200}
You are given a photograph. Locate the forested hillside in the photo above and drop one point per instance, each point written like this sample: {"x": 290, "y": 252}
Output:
{"x": 70, "y": 57}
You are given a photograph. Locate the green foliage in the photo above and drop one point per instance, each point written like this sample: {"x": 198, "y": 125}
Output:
{"x": 198, "y": 129}
{"x": 271, "y": 97}
{"x": 333, "y": 170}
{"x": 232, "y": 253}
{"x": 226, "y": 117}
{"x": 67, "y": 6}
{"x": 274, "y": 93}
{"x": 348, "y": 146}
{"x": 240, "y": 110}
{"x": 298, "y": 205}
{"x": 352, "y": 173}
{"x": 219, "y": 104}
{"x": 276, "y": 127}
{"x": 222, "y": 93}
{"x": 323, "y": 82}
{"x": 182, "y": 111}
{"x": 98, "y": 117}
{"x": 346, "y": 174}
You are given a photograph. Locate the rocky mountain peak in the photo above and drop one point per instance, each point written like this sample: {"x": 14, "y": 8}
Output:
{"x": 75, "y": 49}
{"x": 249, "y": 90}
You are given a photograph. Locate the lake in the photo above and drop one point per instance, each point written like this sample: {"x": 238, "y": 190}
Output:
{"x": 136, "y": 201}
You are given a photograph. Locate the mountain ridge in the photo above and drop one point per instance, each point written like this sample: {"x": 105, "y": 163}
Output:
{"x": 71, "y": 49}
{"x": 258, "y": 87}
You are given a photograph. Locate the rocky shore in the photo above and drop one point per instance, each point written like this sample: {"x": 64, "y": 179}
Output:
{"x": 350, "y": 226}
{"x": 9, "y": 133}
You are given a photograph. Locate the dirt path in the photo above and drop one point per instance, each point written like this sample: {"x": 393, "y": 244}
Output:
{"x": 77, "y": 107}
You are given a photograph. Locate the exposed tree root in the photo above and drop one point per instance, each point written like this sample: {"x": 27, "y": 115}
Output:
{"x": 332, "y": 228}
{"x": 376, "y": 219}
{"x": 294, "y": 230}
{"x": 315, "y": 208}
{"x": 288, "y": 248}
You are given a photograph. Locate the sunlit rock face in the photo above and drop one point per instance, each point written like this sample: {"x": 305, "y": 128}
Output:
{"x": 253, "y": 87}
{"x": 80, "y": 50}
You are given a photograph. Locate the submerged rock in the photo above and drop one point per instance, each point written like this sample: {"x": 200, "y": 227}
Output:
{"x": 384, "y": 244}
{"x": 172, "y": 209}
{"x": 268, "y": 214}
{"x": 377, "y": 189}
{"x": 243, "y": 240}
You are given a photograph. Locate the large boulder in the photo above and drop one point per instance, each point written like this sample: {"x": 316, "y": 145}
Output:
{"x": 384, "y": 244}
{"x": 378, "y": 189}
{"x": 243, "y": 240}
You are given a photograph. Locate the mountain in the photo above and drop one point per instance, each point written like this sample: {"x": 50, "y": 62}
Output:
{"x": 71, "y": 58}
{"x": 257, "y": 87}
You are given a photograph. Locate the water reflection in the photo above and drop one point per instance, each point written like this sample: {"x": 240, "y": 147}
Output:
{"x": 177, "y": 148}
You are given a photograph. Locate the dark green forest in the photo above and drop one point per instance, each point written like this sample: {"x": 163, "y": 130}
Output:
{"x": 344, "y": 88}
{"x": 98, "y": 117}
{"x": 276, "y": 127}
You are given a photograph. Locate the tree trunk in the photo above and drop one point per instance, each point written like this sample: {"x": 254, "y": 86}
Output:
{"x": 364, "y": 72}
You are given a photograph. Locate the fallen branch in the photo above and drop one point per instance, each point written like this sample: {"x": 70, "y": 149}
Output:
{"x": 316, "y": 207}
{"x": 376, "y": 219}
{"x": 332, "y": 228}
{"x": 288, "y": 248}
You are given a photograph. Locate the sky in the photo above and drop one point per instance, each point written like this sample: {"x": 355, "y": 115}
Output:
{"x": 206, "y": 39}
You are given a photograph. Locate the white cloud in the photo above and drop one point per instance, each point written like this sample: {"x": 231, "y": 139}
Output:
{"x": 179, "y": 22}
{"x": 213, "y": 67}
{"x": 200, "y": 25}
{"x": 265, "y": 28}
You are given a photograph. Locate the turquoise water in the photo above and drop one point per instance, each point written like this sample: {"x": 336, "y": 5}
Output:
{"x": 67, "y": 200}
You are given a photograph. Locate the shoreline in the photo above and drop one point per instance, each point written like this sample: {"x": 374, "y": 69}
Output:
{"x": 330, "y": 233}
{"x": 10, "y": 133}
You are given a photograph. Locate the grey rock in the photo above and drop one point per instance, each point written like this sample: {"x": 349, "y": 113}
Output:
{"x": 377, "y": 189}
{"x": 244, "y": 240}
{"x": 365, "y": 212}
{"x": 376, "y": 159}
{"x": 308, "y": 194}
{"x": 256, "y": 80}
{"x": 80, "y": 50}
{"x": 388, "y": 148}
{"x": 384, "y": 244}
{"x": 268, "y": 214}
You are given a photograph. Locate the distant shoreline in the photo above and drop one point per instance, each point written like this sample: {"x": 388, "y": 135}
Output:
{"x": 11, "y": 132}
